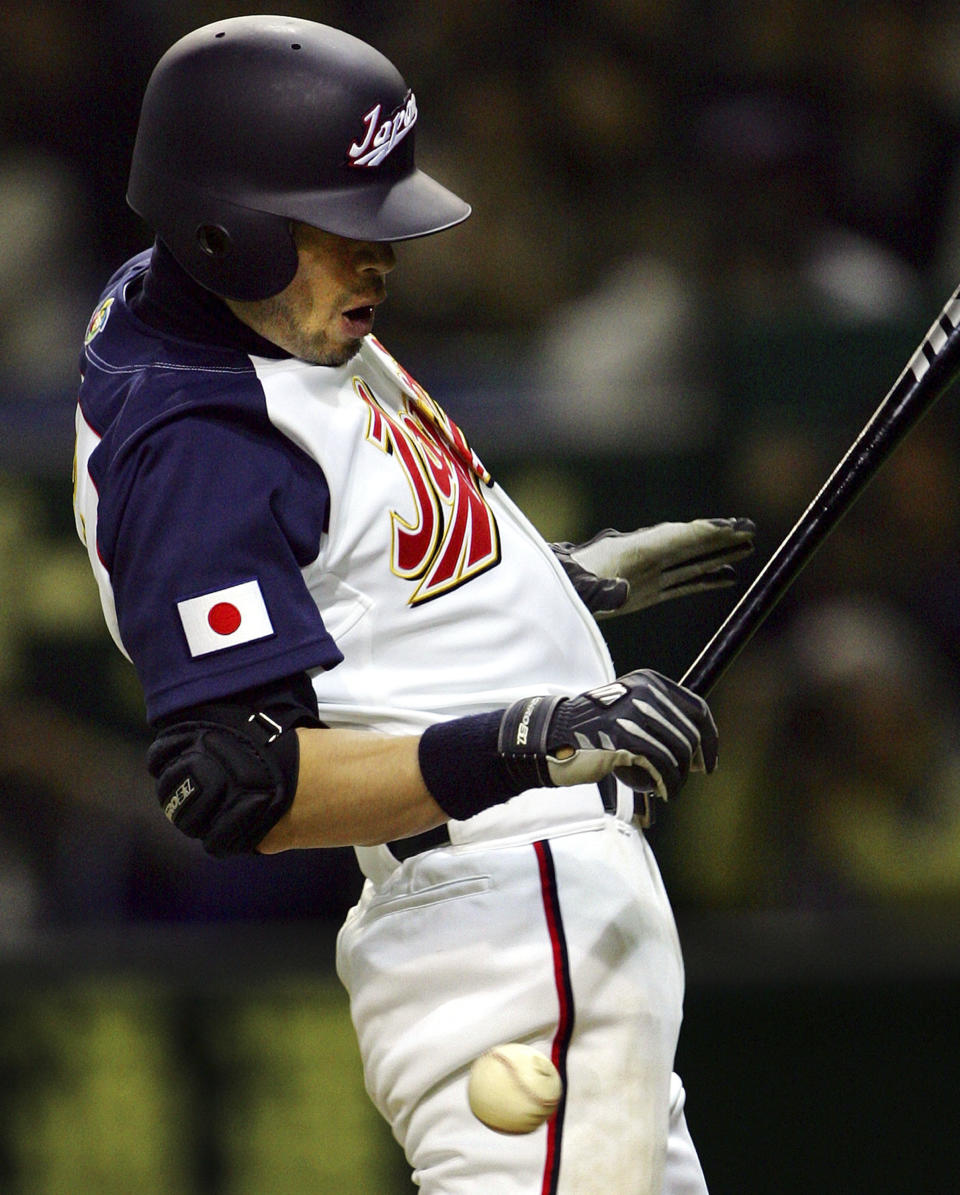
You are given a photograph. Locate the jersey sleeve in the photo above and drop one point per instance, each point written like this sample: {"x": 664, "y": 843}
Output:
{"x": 209, "y": 524}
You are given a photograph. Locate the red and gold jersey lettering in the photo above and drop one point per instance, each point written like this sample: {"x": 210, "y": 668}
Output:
{"x": 437, "y": 418}
{"x": 453, "y": 535}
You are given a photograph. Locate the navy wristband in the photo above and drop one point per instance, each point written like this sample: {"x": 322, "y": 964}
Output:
{"x": 461, "y": 765}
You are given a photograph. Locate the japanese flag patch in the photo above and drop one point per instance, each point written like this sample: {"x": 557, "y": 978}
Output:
{"x": 225, "y": 618}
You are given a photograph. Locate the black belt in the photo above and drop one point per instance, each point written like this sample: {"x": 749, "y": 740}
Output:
{"x": 406, "y": 848}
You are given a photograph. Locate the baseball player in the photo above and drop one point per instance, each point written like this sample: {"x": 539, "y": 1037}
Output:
{"x": 346, "y": 633}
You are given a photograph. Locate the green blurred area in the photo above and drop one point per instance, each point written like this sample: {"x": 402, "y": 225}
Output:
{"x": 817, "y": 1056}
{"x": 124, "y": 1086}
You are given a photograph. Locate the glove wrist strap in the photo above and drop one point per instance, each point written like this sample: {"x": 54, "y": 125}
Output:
{"x": 522, "y": 743}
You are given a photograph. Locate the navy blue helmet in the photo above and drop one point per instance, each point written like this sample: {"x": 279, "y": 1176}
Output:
{"x": 251, "y": 124}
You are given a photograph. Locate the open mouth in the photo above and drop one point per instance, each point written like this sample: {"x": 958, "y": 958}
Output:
{"x": 359, "y": 320}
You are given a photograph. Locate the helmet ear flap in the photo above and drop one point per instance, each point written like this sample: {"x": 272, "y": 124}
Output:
{"x": 243, "y": 255}
{"x": 236, "y": 252}
{"x": 214, "y": 240}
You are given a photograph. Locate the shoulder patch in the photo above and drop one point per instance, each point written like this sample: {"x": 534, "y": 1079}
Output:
{"x": 224, "y": 618}
{"x": 98, "y": 320}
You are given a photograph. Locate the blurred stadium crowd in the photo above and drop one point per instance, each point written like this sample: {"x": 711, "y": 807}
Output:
{"x": 707, "y": 235}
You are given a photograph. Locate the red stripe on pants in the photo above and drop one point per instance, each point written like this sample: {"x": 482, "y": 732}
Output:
{"x": 564, "y": 988}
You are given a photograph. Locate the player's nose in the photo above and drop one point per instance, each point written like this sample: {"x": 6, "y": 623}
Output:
{"x": 376, "y": 257}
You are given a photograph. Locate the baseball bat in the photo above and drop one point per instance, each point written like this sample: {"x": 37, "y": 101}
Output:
{"x": 928, "y": 374}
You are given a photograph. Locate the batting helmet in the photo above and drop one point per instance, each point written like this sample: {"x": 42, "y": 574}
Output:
{"x": 252, "y": 123}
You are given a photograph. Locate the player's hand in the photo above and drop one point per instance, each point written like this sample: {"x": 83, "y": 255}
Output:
{"x": 618, "y": 572}
{"x": 646, "y": 729}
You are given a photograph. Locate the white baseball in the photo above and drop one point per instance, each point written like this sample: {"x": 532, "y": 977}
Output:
{"x": 514, "y": 1088}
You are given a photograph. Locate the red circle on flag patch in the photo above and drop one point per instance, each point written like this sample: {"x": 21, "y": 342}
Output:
{"x": 224, "y": 618}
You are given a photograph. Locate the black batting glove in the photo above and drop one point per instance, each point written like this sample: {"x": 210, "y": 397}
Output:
{"x": 644, "y": 728}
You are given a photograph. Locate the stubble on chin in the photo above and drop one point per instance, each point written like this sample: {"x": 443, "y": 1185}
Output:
{"x": 284, "y": 327}
{"x": 313, "y": 354}
{"x": 288, "y": 326}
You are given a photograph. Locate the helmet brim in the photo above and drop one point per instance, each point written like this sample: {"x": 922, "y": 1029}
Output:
{"x": 394, "y": 209}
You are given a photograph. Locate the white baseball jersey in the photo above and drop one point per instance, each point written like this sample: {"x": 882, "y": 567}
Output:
{"x": 439, "y": 593}
{"x": 249, "y": 517}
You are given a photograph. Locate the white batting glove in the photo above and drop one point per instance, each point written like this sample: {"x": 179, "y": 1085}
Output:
{"x": 618, "y": 572}
{"x": 648, "y": 730}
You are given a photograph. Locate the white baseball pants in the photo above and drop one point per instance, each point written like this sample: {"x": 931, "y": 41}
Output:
{"x": 565, "y": 942}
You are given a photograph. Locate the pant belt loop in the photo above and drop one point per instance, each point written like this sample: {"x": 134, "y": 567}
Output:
{"x": 608, "y": 793}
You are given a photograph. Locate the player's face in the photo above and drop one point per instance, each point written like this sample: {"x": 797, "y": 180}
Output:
{"x": 328, "y": 308}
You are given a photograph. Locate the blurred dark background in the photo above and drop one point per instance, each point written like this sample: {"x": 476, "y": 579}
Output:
{"x": 706, "y": 238}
